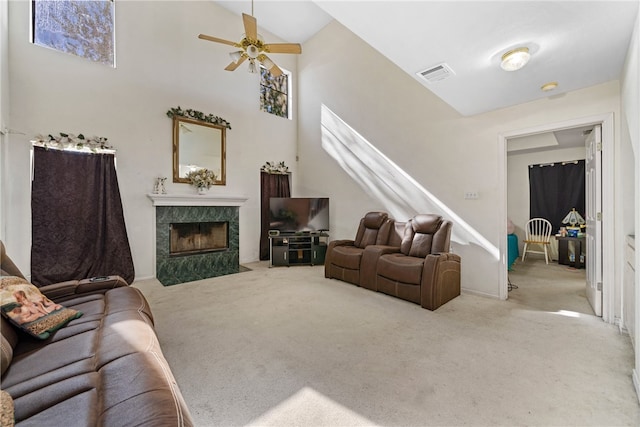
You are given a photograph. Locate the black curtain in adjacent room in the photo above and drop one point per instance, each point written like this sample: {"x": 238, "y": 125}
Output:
{"x": 78, "y": 228}
{"x": 555, "y": 189}
{"x": 271, "y": 185}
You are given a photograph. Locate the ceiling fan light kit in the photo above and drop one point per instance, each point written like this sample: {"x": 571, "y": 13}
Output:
{"x": 252, "y": 67}
{"x": 253, "y": 48}
{"x": 515, "y": 59}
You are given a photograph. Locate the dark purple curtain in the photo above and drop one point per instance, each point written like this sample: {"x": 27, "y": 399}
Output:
{"x": 271, "y": 185}
{"x": 78, "y": 228}
{"x": 556, "y": 189}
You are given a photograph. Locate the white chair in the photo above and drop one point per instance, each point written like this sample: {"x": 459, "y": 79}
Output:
{"x": 537, "y": 232}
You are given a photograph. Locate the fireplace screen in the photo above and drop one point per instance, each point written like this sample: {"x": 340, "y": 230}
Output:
{"x": 198, "y": 237}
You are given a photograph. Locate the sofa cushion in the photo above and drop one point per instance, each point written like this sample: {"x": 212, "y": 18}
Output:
{"x": 417, "y": 239}
{"x": 26, "y": 308}
{"x": 368, "y": 229}
{"x": 401, "y": 268}
{"x": 347, "y": 257}
{"x": 421, "y": 245}
{"x": 426, "y": 223}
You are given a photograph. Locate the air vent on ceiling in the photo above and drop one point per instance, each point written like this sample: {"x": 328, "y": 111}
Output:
{"x": 437, "y": 73}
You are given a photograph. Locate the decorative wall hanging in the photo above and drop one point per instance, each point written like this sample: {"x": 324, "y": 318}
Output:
{"x": 275, "y": 168}
{"x": 198, "y": 115}
{"x": 69, "y": 141}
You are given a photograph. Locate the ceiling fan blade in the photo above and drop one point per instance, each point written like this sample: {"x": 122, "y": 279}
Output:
{"x": 234, "y": 65}
{"x": 250, "y": 26}
{"x": 283, "y": 48}
{"x": 275, "y": 71}
{"x": 270, "y": 65}
{"x": 217, "y": 40}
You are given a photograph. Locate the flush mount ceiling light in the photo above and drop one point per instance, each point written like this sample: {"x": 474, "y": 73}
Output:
{"x": 549, "y": 86}
{"x": 515, "y": 59}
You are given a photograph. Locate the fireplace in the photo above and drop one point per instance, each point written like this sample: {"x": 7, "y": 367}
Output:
{"x": 198, "y": 237}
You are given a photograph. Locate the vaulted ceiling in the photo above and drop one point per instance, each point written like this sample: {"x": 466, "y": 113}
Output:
{"x": 575, "y": 43}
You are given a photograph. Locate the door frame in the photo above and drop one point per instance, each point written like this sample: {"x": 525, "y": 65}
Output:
{"x": 608, "y": 142}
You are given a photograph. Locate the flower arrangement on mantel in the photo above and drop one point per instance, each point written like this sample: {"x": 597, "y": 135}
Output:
{"x": 202, "y": 178}
{"x": 69, "y": 141}
{"x": 198, "y": 115}
{"x": 275, "y": 168}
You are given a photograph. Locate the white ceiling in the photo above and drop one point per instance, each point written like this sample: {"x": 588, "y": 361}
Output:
{"x": 294, "y": 21}
{"x": 576, "y": 43}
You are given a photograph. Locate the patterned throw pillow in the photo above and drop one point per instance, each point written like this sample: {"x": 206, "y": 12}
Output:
{"x": 24, "y": 306}
{"x": 6, "y": 410}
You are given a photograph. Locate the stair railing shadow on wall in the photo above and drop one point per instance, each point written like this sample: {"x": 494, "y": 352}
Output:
{"x": 386, "y": 182}
{"x": 78, "y": 227}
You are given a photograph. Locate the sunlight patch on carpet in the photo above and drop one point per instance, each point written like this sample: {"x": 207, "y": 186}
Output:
{"x": 310, "y": 408}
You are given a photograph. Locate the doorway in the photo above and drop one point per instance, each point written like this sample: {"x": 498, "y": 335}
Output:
{"x": 606, "y": 238}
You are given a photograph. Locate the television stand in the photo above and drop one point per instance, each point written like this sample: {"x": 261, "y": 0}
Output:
{"x": 297, "y": 249}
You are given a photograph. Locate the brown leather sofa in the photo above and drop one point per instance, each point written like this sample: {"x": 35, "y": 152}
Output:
{"x": 343, "y": 257}
{"x": 422, "y": 271}
{"x": 413, "y": 264}
{"x": 104, "y": 368}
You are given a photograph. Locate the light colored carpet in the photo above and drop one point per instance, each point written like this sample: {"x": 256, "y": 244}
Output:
{"x": 287, "y": 347}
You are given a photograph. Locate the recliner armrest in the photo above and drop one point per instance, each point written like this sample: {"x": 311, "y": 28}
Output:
{"x": 368, "y": 265}
{"x": 344, "y": 242}
{"x": 440, "y": 279}
{"x": 59, "y": 292}
{"x": 327, "y": 257}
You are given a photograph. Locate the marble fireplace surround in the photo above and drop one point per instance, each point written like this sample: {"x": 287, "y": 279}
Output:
{"x": 185, "y": 208}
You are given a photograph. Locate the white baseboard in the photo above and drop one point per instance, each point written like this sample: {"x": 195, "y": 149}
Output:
{"x": 479, "y": 293}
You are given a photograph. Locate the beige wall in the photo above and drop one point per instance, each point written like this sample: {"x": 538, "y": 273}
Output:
{"x": 160, "y": 64}
{"x": 445, "y": 153}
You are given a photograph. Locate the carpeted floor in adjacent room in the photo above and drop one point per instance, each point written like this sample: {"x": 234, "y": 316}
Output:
{"x": 285, "y": 346}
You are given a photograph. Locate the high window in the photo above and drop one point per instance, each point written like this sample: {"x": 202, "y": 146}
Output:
{"x": 82, "y": 28}
{"x": 274, "y": 93}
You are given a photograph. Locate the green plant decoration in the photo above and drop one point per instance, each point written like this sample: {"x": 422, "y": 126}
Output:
{"x": 198, "y": 115}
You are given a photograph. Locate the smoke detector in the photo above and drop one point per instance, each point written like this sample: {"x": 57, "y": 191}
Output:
{"x": 436, "y": 73}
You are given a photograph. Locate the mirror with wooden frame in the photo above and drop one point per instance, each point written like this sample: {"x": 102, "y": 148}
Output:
{"x": 196, "y": 145}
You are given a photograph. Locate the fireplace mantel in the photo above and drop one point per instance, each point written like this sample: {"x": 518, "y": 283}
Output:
{"x": 195, "y": 200}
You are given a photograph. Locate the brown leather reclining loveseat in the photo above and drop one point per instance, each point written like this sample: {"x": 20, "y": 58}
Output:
{"x": 104, "y": 368}
{"x": 408, "y": 260}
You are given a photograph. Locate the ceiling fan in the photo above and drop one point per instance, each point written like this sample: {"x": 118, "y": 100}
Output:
{"x": 253, "y": 48}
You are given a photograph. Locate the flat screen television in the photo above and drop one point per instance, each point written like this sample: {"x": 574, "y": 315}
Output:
{"x": 299, "y": 214}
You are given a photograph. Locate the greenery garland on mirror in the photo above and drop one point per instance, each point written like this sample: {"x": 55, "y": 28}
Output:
{"x": 198, "y": 115}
